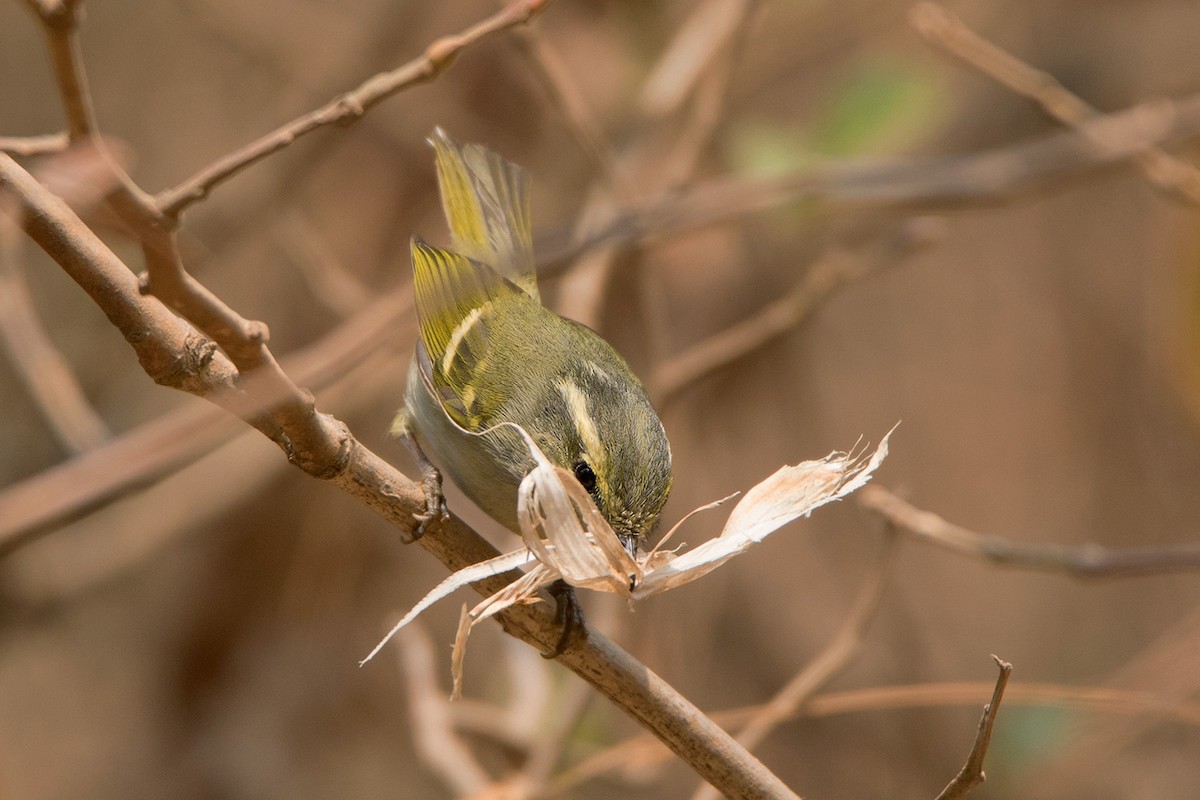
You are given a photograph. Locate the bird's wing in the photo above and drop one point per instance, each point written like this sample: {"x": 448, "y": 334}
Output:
{"x": 486, "y": 202}
{"x": 456, "y": 299}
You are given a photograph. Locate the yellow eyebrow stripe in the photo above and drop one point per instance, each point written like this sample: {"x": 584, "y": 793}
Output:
{"x": 577, "y": 407}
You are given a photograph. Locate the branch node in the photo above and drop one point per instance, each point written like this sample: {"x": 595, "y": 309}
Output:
{"x": 194, "y": 357}
{"x": 349, "y": 109}
{"x": 257, "y": 332}
{"x": 442, "y": 52}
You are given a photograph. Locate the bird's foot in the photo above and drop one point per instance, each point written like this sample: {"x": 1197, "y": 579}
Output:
{"x": 568, "y": 615}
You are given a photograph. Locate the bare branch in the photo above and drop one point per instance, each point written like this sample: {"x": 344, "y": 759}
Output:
{"x": 990, "y": 177}
{"x": 971, "y": 775}
{"x": 347, "y": 107}
{"x": 175, "y": 356}
{"x": 26, "y": 146}
{"x": 644, "y": 751}
{"x": 788, "y": 700}
{"x": 40, "y": 366}
{"x": 948, "y": 32}
{"x": 1081, "y": 561}
{"x": 837, "y": 268}
{"x": 60, "y": 21}
{"x": 156, "y": 449}
{"x": 432, "y": 724}
{"x": 244, "y": 341}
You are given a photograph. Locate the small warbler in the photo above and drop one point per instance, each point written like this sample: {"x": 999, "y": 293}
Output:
{"x": 489, "y": 352}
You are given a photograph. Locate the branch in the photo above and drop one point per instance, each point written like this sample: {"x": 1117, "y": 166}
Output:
{"x": 39, "y": 364}
{"x": 565, "y": 96}
{"x": 26, "y": 146}
{"x": 1081, "y": 561}
{"x": 643, "y": 751}
{"x": 987, "y": 178}
{"x": 837, "y": 268}
{"x": 158, "y": 448}
{"x": 348, "y": 107}
{"x": 60, "y": 23}
{"x": 791, "y": 698}
{"x": 175, "y": 354}
{"x": 244, "y": 341}
{"x": 948, "y": 32}
{"x": 971, "y": 775}
{"x": 432, "y": 726}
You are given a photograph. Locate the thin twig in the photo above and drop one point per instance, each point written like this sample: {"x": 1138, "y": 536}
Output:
{"x": 432, "y": 728}
{"x": 39, "y": 364}
{"x": 837, "y": 268}
{"x": 154, "y": 221}
{"x": 697, "y": 43}
{"x": 971, "y": 775}
{"x": 60, "y": 21}
{"x": 26, "y": 146}
{"x": 944, "y": 29}
{"x": 565, "y": 95}
{"x": 157, "y": 449}
{"x": 988, "y": 178}
{"x": 644, "y": 751}
{"x": 173, "y": 353}
{"x": 349, "y": 106}
{"x": 791, "y": 698}
{"x": 244, "y": 341}
{"x": 1080, "y": 561}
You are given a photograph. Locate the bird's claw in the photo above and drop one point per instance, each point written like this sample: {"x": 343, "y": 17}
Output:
{"x": 568, "y": 615}
{"x": 435, "y": 504}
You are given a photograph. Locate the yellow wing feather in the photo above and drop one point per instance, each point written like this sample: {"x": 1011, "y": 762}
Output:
{"x": 486, "y": 202}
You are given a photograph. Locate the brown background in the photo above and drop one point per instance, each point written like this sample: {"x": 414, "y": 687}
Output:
{"x": 200, "y": 638}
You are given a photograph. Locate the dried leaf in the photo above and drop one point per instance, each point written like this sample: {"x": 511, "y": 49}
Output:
{"x": 464, "y": 577}
{"x": 523, "y": 590}
{"x": 458, "y": 655}
{"x": 567, "y": 536}
{"x": 790, "y": 493}
{"x": 563, "y": 527}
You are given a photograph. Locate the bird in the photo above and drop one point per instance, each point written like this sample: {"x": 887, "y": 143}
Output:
{"x": 489, "y": 352}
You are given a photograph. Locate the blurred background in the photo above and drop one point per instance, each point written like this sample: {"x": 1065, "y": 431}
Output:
{"x": 199, "y": 637}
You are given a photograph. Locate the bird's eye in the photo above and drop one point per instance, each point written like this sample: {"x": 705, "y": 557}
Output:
{"x": 585, "y": 476}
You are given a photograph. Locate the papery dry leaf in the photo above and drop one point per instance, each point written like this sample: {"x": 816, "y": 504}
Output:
{"x": 523, "y": 590}
{"x": 570, "y": 539}
{"x": 464, "y": 577}
{"x": 566, "y": 531}
{"x": 788, "y": 494}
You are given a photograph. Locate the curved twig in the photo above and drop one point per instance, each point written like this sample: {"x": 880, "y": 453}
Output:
{"x": 346, "y": 107}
